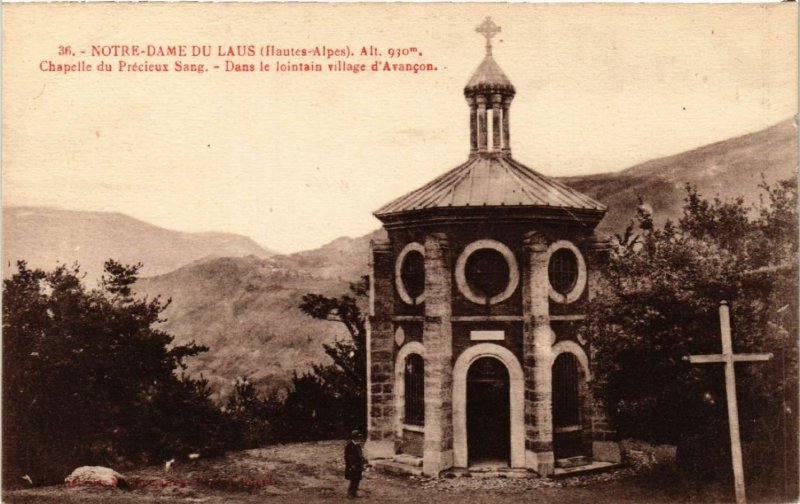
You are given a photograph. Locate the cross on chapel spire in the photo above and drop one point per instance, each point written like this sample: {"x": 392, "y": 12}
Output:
{"x": 488, "y": 29}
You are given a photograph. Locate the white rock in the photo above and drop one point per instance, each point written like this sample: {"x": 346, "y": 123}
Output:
{"x": 95, "y": 476}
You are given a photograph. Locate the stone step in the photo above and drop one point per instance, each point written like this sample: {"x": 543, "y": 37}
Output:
{"x": 580, "y": 460}
{"x": 594, "y": 467}
{"x": 411, "y": 460}
{"x": 500, "y": 473}
{"x": 498, "y": 468}
{"x": 487, "y": 472}
{"x": 389, "y": 466}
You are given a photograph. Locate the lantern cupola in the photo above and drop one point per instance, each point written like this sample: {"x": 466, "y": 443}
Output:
{"x": 489, "y": 94}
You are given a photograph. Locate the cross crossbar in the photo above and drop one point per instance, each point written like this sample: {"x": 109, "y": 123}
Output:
{"x": 488, "y": 29}
{"x": 720, "y": 358}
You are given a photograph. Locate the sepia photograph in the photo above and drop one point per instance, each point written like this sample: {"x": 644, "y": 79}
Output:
{"x": 400, "y": 253}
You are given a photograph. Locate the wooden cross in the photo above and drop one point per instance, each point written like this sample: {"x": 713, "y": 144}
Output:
{"x": 728, "y": 358}
{"x": 488, "y": 29}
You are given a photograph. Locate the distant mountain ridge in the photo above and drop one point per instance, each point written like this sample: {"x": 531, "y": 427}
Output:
{"x": 47, "y": 236}
{"x": 727, "y": 169}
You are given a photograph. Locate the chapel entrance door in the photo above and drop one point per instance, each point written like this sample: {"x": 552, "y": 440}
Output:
{"x": 567, "y": 422}
{"x": 488, "y": 413}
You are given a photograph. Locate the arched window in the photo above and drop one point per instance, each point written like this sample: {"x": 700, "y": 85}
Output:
{"x": 415, "y": 390}
{"x": 566, "y": 392}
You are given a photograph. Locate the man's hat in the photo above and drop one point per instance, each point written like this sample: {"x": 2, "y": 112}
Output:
{"x": 355, "y": 434}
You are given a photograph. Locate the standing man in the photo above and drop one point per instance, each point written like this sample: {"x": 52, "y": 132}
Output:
{"x": 353, "y": 463}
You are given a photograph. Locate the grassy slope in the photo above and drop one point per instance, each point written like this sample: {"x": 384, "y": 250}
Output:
{"x": 729, "y": 169}
{"x": 246, "y": 311}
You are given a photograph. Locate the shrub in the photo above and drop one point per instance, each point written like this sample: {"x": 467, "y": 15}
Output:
{"x": 659, "y": 302}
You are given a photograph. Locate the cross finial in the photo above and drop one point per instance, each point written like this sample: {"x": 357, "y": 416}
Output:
{"x": 488, "y": 29}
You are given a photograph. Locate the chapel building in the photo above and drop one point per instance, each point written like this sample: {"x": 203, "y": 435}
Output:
{"x": 473, "y": 352}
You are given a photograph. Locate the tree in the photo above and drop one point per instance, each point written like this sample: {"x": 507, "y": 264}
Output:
{"x": 659, "y": 302}
{"x": 348, "y": 356}
{"x": 331, "y": 400}
{"x": 252, "y": 416}
{"x": 89, "y": 379}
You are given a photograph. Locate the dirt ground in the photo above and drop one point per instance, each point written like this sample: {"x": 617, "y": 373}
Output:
{"x": 312, "y": 472}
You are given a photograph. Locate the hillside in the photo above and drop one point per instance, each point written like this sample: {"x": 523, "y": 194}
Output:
{"x": 246, "y": 310}
{"x": 47, "y": 236}
{"x": 728, "y": 169}
{"x": 344, "y": 258}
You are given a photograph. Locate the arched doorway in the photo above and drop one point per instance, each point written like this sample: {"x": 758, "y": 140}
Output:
{"x": 567, "y": 407}
{"x": 488, "y": 412}
{"x": 516, "y": 394}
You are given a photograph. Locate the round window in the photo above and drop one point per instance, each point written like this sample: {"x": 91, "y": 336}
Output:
{"x": 487, "y": 272}
{"x": 563, "y": 271}
{"x": 566, "y": 271}
{"x": 412, "y": 273}
{"x": 409, "y": 274}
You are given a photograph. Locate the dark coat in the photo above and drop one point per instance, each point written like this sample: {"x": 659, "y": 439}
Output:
{"x": 353, "y": 461}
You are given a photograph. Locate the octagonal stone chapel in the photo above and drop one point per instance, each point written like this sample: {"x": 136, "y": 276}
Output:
{"x": 473, "y": 352}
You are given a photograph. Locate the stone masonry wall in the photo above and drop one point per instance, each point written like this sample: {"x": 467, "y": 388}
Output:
{"x": 438, "y": 341}
{"x": 380, "y": 369}
{"x": 605, "y": 443}
{"x": 537, "y": 350}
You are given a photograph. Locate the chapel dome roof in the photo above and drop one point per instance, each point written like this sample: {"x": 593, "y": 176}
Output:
{"x": 493, "y": 182}
{"x": 489, "y": 78}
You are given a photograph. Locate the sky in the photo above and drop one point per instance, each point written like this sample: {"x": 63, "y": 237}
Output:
{"x": 295, "y": 160}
